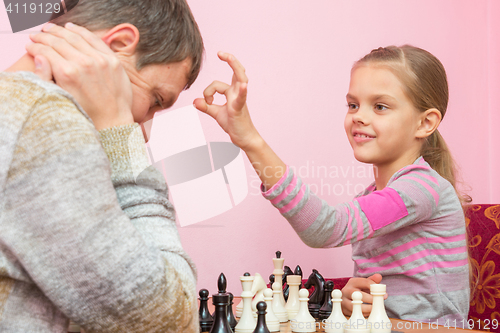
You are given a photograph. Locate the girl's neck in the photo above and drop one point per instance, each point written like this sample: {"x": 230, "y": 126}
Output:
{"x": 384, "y": 172}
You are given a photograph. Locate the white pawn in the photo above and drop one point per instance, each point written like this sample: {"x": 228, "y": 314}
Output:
{"x": 378, "y": 320}
{"x": 247, "y": 322}
{"x": 292, "y": 304}
{"x": 258, "y": 287}
{"x": 278, "y": 308}
{"x": 357, "y": 323}
{"x": 273, "y": 323}
{"x": 335, "y": 323}
{"x": 303, "y": 322}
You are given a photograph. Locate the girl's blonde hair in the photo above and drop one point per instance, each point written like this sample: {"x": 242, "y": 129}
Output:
{"x": 425, "y": 84}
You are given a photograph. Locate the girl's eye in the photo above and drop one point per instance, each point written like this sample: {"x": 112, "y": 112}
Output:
{"x": 380, "y": 107}
{"x": 352, "y": 106}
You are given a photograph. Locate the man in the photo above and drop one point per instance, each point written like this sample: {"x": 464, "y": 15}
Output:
{"x": 81, "y": 236}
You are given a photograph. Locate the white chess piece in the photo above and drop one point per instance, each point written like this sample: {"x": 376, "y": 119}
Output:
{"x": 357, "y": 323}
{"x": 378, "y": 320}
{"x": 273, "y": 323}
{"x": 293, "y": 304}
{"x": 278, "y": 308}
{"x": 303, "y": 322}
{"x": 239, "y": 309}
{"x": 335, "y": 323}
{"x": 258, "y": 287}
{"x": 278, "y": 276}
{"x": 247, "y": 322}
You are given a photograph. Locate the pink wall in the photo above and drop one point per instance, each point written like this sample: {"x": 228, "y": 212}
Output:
{"x": 298, "y": 58}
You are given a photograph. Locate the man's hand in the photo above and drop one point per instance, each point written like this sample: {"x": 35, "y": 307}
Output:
{"x": 233, "y": 117}
{"x": 362, "y": 285}
{"x": 82, "y": 64}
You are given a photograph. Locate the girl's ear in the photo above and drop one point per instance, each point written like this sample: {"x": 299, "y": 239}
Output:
{"x": 429, "y": 122}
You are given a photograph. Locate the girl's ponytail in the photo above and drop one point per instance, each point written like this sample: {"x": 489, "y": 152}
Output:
{"x": 435, "y": 152}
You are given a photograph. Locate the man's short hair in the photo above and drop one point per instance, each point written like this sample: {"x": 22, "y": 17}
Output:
{"x": 168, "y": 31}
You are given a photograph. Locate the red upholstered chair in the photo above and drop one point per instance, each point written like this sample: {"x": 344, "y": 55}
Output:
{"x": 483, "y": 227}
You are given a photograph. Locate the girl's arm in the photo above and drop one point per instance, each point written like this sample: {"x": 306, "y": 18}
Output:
{"x": 235, "y": 120}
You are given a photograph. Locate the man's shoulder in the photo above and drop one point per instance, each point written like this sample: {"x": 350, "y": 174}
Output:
{"x": 25, "y": 92}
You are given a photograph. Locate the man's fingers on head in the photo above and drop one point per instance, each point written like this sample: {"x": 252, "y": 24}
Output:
{"x": 91, "y": 38}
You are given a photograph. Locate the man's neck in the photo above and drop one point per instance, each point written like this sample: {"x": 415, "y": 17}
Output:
{"x": 25, "y": 63}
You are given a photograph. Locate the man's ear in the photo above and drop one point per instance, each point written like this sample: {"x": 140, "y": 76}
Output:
{"x": 122, "y": 38}
{"x": 429, "y": 122}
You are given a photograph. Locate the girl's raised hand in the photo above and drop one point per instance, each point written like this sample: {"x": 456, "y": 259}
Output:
{"x": 233, "y": 117}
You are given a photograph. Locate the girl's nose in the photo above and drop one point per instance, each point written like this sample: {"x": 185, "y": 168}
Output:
{"x": 360, "y": 117}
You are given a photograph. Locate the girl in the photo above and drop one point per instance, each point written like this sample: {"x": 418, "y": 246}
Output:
{"x": 408, "y": 225}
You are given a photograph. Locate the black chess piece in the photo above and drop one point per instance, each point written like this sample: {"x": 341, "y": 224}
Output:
{"x": 326, "y": 308}
{"x": 230, "y": 315}
{"x": 222, "y": 283}
{"x": 206, "y": 319}
{"x": 287, "y": 271}
{"x": 317, "y": 296}
{"x": 261, "y": 318}
{"x": 278, "y": 254}
{"x": 271, "y": 280}
{"x": 298, "y": 271}
{"x": 221, "y": 325}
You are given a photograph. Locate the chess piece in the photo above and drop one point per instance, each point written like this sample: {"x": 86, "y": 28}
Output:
{"x": 293, "y": 304}
{"x": 317, "y": 296}
{"x": 303, "y": 322}
{"x": 286, "y": 271}
{"x": 278, "y": 308}
{"x": 335, "y": 323}
{"x": 298, "y": 271}
{"x": 261, "y": 320}
{"x": 378, "y": 321}
{"x": 258, "y": 287}
{"x": 357, "y": 322}
{"x": 221, "y": 285}
{"x": 239, "y": 307}
{"x": 247, "y": 322}
{"x": 206, "y": 319}
{"x": 278, "y": 273}
{"x": 221, "y": 325}
{"x": 326, "y": 308}
{"x": 230, "y": 315}
{"x": 273, "y": 323}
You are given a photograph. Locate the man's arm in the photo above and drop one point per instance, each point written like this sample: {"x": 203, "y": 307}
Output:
{"x": 101, "y": 268}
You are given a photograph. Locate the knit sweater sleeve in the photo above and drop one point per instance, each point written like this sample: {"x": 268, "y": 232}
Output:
{"x": 411, "y": 197}
{"x": 105, "y": 253}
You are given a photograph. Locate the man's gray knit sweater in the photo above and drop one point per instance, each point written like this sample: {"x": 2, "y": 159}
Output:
{"x": 86, "y": 229}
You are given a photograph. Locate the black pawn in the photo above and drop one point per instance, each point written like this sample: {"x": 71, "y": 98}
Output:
{"x": 221, "y": 325}
{"x": 230, "y": 315}
{"x": 326, "y": 308}
{"x": 298, "y": 271}
{"x": 206, "y": 319}
{"x": 278, "y": 254}
{"x": 261, "y": 318}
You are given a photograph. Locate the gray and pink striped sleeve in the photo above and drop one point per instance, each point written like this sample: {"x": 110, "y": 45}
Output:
{"x": 412, "y": 196}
